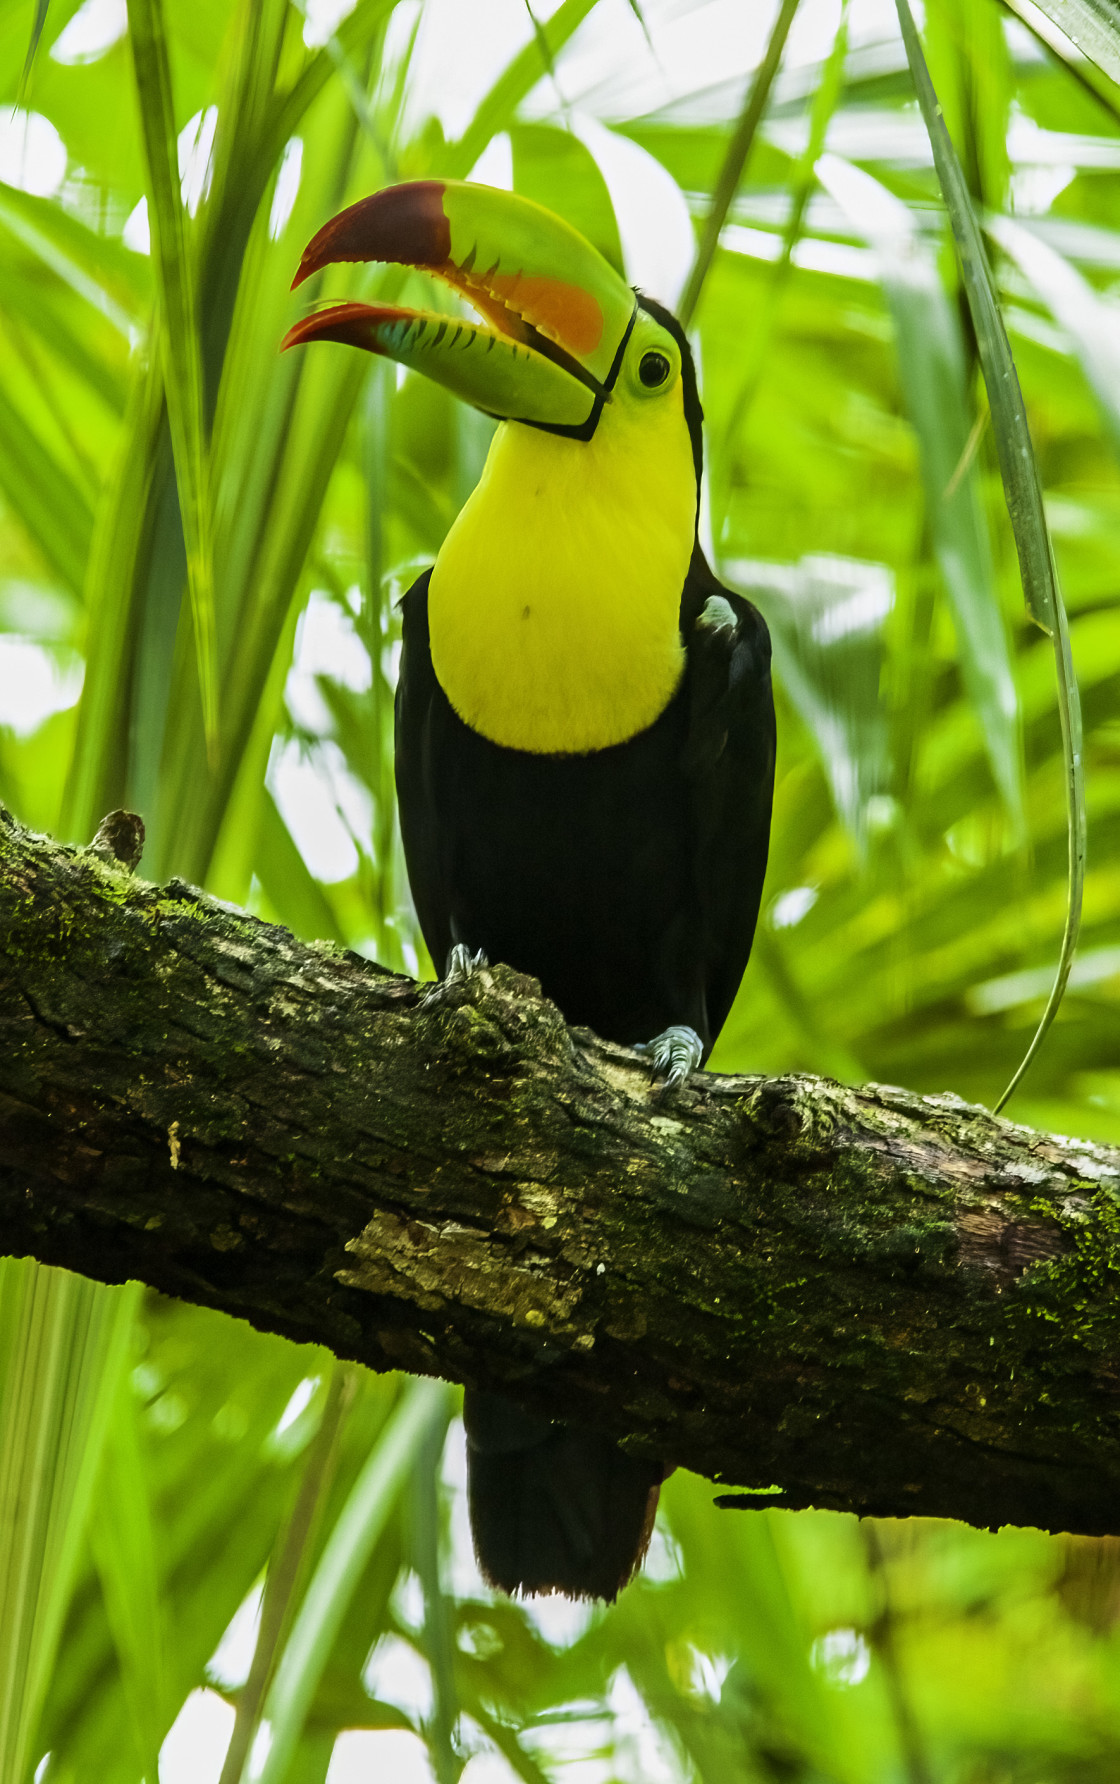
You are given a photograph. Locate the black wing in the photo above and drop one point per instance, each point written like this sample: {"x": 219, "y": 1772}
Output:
{"x": 730, "y": 765}
{"x": 418, "y": 695}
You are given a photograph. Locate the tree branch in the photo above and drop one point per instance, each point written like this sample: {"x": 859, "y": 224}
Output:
{"x": 875, "y": 1301}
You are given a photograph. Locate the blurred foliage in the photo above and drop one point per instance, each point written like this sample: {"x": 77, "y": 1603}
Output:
{"x": 236, "y": 682}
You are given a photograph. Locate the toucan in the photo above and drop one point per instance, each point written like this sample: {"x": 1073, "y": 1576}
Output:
{"x": 584, "y": 728}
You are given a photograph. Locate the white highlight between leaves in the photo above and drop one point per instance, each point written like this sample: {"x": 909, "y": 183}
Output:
{"x": 32, "y": 153}
{"x": 92, "y": 31}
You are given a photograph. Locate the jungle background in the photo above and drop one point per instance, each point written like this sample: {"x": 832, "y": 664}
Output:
{"x": 226, "y": 1556}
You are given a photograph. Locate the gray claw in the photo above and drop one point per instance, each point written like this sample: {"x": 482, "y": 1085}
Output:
{"x": 461, "y": 966}
{"x": 673, "y": 1054}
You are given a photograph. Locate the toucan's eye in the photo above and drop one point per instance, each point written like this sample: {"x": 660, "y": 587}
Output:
{"x": 653, "y": 368}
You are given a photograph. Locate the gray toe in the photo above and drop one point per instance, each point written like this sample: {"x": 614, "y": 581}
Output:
{"x": 673, "y": 1054}
{"x": 461, "y": 966}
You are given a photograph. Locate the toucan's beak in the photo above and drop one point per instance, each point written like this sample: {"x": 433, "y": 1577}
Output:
{"x": 556, "y": 314}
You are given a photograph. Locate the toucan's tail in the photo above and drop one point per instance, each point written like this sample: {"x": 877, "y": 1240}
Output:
{"x": 554, "y": 1508}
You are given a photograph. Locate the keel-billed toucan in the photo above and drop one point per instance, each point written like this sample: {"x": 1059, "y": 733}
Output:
{"x": 585, "y": 729}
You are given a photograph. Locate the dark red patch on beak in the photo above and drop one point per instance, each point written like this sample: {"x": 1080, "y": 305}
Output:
{"x": 352, "y": 324}
{"x": 405, "y": 224}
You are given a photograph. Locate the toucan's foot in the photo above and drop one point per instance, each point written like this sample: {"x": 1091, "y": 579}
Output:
{"x": 673, "y": 1054}
{"x": 461, "y": 966}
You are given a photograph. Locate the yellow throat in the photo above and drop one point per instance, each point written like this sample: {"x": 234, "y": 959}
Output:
{"x": 554, "y": 603}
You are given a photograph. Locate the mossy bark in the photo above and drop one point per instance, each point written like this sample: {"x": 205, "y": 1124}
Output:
{"x": 872, "y": 1300}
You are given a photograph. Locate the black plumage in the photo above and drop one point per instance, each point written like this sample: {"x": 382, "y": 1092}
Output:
{"x": 627, "y": 880}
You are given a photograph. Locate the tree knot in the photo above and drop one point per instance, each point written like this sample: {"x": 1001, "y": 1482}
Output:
{"x": 496, "y": 1017}
{"x": 119, "y": 840}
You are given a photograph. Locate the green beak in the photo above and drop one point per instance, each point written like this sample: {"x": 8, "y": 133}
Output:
{"x": 556, "y": 315}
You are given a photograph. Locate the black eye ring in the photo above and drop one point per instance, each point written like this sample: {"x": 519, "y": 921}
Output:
{"x": 653, "y": 368}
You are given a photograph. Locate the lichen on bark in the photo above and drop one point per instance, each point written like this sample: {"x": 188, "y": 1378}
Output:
{"x": 883, "y": 1302}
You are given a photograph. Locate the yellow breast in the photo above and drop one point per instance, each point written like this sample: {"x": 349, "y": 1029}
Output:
{"x": 554, "y": 603}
